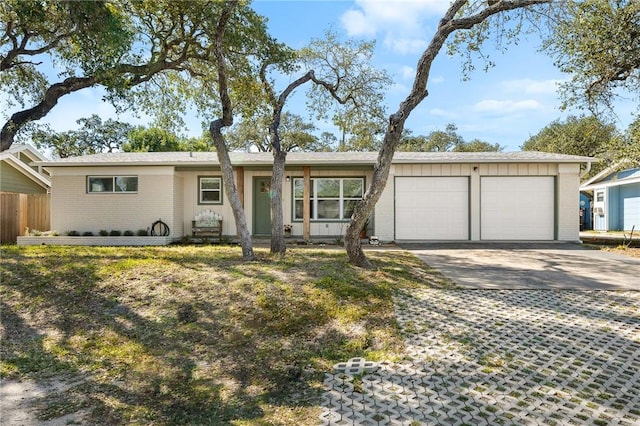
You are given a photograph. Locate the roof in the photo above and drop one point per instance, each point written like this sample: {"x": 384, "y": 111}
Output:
{"x": 12, "y": 157}
{"x": 16, "y": 149}
{"x": 612, "y": 176}
{"x": 308, "y": 158}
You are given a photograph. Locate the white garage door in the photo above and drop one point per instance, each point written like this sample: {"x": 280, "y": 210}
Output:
{"x": 432, "y": 208}
{"x": 517, "y": 208}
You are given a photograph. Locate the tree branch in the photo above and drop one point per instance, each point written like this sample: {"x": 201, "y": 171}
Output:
{"x": 50, "y": 99}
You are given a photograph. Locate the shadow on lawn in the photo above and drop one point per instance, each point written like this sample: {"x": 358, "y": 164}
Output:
{"x": 190, "y": 361}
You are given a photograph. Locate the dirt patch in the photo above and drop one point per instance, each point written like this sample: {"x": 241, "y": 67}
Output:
{"x": 627, "y": 251}
{"x": 25, "y": 402}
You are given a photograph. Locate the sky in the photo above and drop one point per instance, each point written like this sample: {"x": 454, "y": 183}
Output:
{"x": 506, "y": 105}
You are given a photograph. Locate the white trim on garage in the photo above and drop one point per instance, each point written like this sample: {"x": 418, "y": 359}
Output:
{"x": 517, "y": 208}
{"x": 432, "y": 208}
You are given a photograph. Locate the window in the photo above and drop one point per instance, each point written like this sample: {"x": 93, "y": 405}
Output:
{"x": 600, "y": 196}
{"x": 209, "y": 190}
{"x": 112, "y": 184}
{"x": 331, "y": 198}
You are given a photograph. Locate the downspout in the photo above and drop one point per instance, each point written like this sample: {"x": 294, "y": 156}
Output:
{"x": 585, "y": 171}
{"x": 582, "y": 175}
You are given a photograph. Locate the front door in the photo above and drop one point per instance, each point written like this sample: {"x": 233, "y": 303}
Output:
{"x": 262, "y": 206}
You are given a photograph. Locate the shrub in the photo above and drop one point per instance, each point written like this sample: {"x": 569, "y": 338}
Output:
{"x": 115, "y": 233}
{"x": 73, "y": 233}
{"x": 103, "y": 232}
{"x": 87, "y": 234}
{"x": 128, "y": 233}
{"x": 143, "y": 233}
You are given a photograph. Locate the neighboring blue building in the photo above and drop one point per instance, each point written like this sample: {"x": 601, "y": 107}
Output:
{"x": 616, "y": 199}
{"x": 585, "y": 212}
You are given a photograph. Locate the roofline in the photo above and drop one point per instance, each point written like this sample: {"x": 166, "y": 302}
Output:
{"x": 502, "y": 160}
{"x": 607, "y": 171}
{"x": 320, "y": 161}
{"x": 194, "y": 163}
{"x": 27, "y": 149}
{"x": 28, "y": 171}
{"x": 606, "y": 184}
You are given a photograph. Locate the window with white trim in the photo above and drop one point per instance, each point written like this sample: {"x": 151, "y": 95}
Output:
{"x": 112, "y": 184}
{"x": 209, "y": 190}
{"x": 331, "y": 198}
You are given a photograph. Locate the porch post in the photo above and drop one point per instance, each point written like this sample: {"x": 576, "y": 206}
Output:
{"x": 306, "y": 204}
{"x": 240, "y": 184}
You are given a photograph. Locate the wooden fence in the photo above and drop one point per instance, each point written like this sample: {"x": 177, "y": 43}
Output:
{"x": 21, "y": 211}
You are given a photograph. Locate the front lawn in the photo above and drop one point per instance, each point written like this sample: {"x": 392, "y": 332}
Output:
{"x": 193, "y": 335}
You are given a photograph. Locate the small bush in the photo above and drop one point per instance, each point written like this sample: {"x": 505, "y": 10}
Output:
{"x": 87, "y": 234}
{"x": 128, "y": 233}
{"x": 143, "y": 233}
{"x": 55, "y": 233}
{"x": 35, "y": 233}
{"x": 115, "y": 233}
{"x": 103, "y": 232}
{"x": 73, "y": 233}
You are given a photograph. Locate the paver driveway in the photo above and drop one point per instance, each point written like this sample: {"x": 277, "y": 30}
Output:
{"x": 530, "y": 266}
{"x": 492, "y": 357}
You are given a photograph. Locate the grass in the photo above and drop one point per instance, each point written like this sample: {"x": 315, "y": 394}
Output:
{"x": 193, "y": 335}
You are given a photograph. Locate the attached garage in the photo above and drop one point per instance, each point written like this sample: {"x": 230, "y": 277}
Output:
{"x": 517, "y": 208}
{"x": 432, "y": 208}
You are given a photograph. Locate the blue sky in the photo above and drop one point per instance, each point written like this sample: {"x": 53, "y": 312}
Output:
{"x": 506, "y": 105}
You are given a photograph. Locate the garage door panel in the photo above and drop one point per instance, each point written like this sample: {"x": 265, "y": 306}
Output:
{"x": 517, "y": 208}
{"x": 432, "y": 208}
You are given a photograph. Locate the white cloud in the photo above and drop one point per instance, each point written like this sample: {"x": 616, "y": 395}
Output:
{"x": 401, "y": 21}
{"x": 357, "y": 24}
{"x": 404, "y": 45}
{"x": 407, "y": 72}
{"x": 439, "y": 112}
{"x": 531, "y": 86}
{"x": 506, "y": 106}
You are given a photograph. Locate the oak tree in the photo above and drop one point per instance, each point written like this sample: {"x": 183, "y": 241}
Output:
{"x": 137, "y": 50}
{"x": 340, "y": 74}
{"x": 94, "y": 136}
{"x": 473, "y": 22}
{"x": 597, "y": 42}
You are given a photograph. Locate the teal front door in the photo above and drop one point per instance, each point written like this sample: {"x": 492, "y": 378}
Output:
{"x": 262, "y": 206}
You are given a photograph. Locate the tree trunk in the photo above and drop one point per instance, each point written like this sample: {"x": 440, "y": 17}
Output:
{"x": 364, "y": 209}
{"x": 232, "y": 193}
{"x": 278, "y": 244}
{"x": 216, "y": 134}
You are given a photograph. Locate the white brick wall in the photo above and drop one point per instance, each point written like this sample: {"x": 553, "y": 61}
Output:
{"x": 568, "y": 202}
{"x": 385, "y": 211}
{"x": 72, "y": 208}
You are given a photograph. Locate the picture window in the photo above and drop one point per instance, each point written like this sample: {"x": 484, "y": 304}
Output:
{"x": 209, "y": 190}
{"x": 112, "y": 184}
{"x": 331, "y": 198}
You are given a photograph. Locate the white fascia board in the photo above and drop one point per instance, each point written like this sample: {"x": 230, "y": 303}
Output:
{"x": 27, "y": 171}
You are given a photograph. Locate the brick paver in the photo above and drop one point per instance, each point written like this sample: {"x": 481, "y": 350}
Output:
{"x": 489, "y": 357}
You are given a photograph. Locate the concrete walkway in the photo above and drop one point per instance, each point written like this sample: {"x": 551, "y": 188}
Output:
{"x": 500, "y": 357}
{"x": 530, "y": 266}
